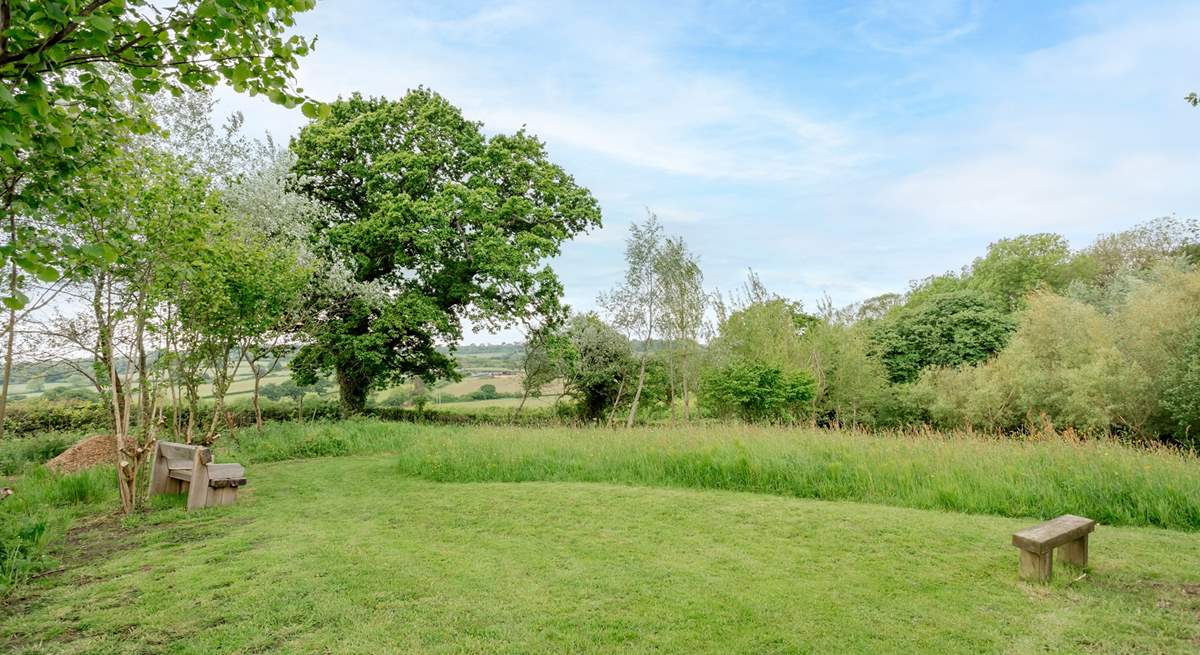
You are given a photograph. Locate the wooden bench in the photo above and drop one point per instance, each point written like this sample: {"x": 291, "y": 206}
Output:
{"x": 179, "y": 468}
{"x": 1068, "y": 533}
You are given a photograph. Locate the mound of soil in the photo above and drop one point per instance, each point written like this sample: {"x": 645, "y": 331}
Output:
{"x": 100, "y": 449}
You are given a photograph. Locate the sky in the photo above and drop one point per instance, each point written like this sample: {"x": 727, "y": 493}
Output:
{"x": 840, "y": 149}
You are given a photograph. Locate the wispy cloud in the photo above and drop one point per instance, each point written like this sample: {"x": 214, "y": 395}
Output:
{"x": 1082, "y": 136}
{"x": 907, "y": 27}
{"x": 836, "y": 149}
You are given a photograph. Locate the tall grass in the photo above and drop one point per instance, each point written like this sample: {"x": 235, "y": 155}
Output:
{"x": 1110, "y": 482}
{"x": 20, "y": 453}
{"x": 39, "y": 512}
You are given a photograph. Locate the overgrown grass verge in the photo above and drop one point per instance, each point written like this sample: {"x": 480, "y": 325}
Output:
{"x": 40, "y": 511}
{"x": 16, "y": 455}
{"x": 1110, "y": 482}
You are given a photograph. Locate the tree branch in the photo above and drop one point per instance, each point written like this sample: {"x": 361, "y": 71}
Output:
{"x": 55, "y": 38}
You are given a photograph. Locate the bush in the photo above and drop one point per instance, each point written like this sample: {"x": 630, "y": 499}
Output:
{"x": 41, "y": 416}
{"x": 947, "y": 329}
{"x": 756, "y": 392}
{"x": 1182, "y": 396}
{"x": 485, "y": 392}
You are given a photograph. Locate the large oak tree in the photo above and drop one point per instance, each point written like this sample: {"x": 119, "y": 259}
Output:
{"x": 433, "y": 224}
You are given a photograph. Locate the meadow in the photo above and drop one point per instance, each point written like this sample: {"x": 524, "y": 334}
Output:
{"x": 364, "y": 536}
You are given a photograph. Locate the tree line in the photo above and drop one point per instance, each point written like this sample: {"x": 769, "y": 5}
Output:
{"x": 1032, "y": 335}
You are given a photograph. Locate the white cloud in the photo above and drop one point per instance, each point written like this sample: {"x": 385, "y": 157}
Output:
{"x": 1082, "y": 137}
{"x": 906, "y": 27}
{"x": 612, "y": 90}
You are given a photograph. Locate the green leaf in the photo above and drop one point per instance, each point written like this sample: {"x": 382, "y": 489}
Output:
{"x": 47, "y": 274}
{"x": 314, "y": 110}
{"x": 16, "y": 301}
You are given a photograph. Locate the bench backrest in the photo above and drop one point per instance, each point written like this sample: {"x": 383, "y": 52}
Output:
{"x": 171, "y": 450}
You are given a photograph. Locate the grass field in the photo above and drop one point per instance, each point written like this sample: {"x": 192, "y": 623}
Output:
{"x": 344, "y": 555}
{"x": 1114, "y": 484}
{"x": 428, "y": 539}
{"x": 508, "y": 403}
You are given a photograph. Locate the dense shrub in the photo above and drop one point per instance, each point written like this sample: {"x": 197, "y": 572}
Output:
{"x": 40, "y": 416}
{"x": 756, "y": 392}
{"x": 1182, "y": 395}
{"x": 949, "y": 329}
{"x": 1116, "y": 361}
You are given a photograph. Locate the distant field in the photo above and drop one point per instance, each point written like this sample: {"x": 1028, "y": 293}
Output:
{"x": 476, "y": 359}
{"x": 470, "y": 405}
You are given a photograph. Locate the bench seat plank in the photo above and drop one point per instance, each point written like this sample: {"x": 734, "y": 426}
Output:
{"x": 1045, "y": 537}
{"x": 226, "y": 483}
{"x": 225, "y": 471}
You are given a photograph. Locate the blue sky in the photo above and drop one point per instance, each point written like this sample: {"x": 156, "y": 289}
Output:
{"x": 835, "y": 148}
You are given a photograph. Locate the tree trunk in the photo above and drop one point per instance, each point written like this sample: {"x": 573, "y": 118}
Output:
{"x": 637, "y": 395}
{"x": 193, "y": 398}
{"x": 671, "y": 388}
{"x": 257, "y": 404}
{"x": 144, "y": 410}
{"x": 352, "y": 394}
{"x": 8, "y": 354}
{"x": 617, "y": 402}
{"x": 12, "y": 313}
{"x": 221, "y": 382}
{"x": 683, "y": 374}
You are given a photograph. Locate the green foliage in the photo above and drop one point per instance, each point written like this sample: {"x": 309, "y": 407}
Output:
{"x": 38, "y": 513}
{"x": 1012, "y": 268}
{"x": 19, "y": 453}
{"x": 756, "y": 392}
{"x": 851, "y": 384}
{"x": 1062, "y": 367}
{"x": 597, "y": 365}
{"x": 74, "y": 82}
{"x": 435, "y": 222}
{"x": 948, "y": 329}
{"x": 758, "y": 326}
{"x": 77, "y": 394}
{"x": 1139, "y": 248}
{"x": 540, "y": 360}
{"x": 1073, "y": 364}
{"x": 40, "y": 416}
{"x": 484, "y": 392}
{"x": 1182, "y": 394}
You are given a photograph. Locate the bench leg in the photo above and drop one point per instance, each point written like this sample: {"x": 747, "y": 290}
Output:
{"x": 1075, "y": 553}
{"x": 1036, "y": 566}
{"x": 225, "y": 496}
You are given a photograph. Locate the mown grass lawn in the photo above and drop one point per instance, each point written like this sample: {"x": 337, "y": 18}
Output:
{"x": 346, "y": 555}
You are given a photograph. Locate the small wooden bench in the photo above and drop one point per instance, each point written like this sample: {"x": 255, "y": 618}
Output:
{"x": 1068, "y": 533}
{"x": 179, "y": 468}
